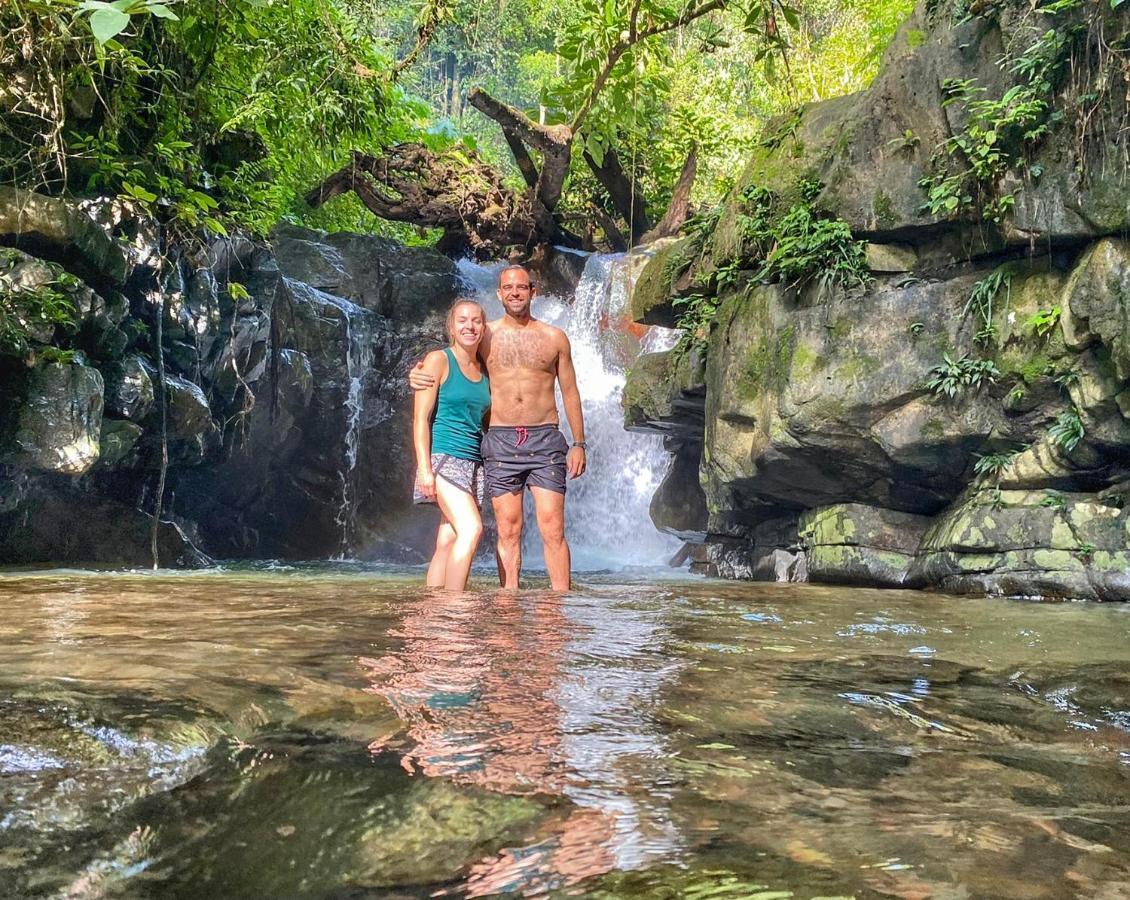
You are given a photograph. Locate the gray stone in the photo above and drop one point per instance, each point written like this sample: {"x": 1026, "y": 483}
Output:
{"x": 60, "y": 420}
{"x": 129, "y": 390}
{"x": 117, "y": 439}
{"x": 886, "y": 258}
{"x": 50, "y": 226}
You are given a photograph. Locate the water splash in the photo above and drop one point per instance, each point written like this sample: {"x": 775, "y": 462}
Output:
{"x": 607, "y": 519}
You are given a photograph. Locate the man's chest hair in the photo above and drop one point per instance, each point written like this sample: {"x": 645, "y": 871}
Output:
{"x": 525, "y": 349}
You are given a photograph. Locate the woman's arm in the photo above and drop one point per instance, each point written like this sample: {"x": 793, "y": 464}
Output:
{"x": 435, "y": 364}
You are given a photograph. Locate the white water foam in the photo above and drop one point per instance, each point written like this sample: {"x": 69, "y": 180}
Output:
{"x": 607, "y": 521}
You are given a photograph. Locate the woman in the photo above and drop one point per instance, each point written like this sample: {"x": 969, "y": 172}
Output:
{"x": 449, "y": 466}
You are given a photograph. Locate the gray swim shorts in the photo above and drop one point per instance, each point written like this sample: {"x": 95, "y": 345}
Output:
{"x": 515, "y": 457}
{"x": 463, "y": 473}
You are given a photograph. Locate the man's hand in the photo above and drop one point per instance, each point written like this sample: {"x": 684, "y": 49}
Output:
{"x": 418, "y": 379}
{"x": 575, "y": 462}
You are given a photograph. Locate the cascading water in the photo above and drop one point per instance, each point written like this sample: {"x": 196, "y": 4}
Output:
{"x": 606, "y": 517}
{"x": 359, "y": 358}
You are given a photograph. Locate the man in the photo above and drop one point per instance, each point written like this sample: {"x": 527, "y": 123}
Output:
{"x": 523, "y": 447}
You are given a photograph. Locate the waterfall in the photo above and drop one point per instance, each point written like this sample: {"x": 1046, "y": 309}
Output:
{"x": 606, "y": 515}
{"x": 358, "y": 359}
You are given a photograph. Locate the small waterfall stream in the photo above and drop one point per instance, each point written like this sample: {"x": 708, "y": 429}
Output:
{"x": 607, "y": 521}
{"x": 359, "y": 357}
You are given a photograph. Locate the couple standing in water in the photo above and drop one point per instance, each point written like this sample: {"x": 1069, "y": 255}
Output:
{"x": 502, "y": 373}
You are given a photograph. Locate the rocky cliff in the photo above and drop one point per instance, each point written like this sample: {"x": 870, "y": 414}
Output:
{"x": 906, "y": 357}
{"x": 283, "y": 413}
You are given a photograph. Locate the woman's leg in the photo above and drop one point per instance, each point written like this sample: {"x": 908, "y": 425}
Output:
{"x": 460, "y": 509}
{"x": 445, "y": 539}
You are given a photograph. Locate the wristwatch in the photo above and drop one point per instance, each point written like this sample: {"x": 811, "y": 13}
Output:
{"x": 582, "y": 444}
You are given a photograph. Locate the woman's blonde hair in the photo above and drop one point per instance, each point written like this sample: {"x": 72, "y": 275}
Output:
{"x": 462, "y": 301}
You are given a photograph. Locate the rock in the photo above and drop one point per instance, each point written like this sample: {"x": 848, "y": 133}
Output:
{"x": 59, "y": 422}
{"x": 406, "y": 284}
{"x": 58, "y": 523}
{"x": 46, "y": 299}
{"x": 1096, "y": 301}
{"x": 888, "y": 258}
{"x": 666, "y": 392}
{"x": 1044, "y": 543}
{"x": 650, "y": 302}
{"x": 129, "y": 390}
{"x": 58, "y": 230}
{"x": 679, "y": 506}
{"x": 872, "y": 149}
{"x": 116, "y": 440}
{"x": 854, "y": 544}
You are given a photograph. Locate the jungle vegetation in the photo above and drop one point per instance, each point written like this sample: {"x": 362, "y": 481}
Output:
{"x": 222, "y": 114}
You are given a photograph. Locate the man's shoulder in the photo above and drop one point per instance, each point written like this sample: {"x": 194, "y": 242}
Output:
{"x": 556, "y": 334}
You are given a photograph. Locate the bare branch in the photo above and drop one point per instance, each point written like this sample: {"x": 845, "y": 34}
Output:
{"x": 680, "y": 204}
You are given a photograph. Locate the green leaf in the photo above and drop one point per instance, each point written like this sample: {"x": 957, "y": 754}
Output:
{"x": 161, "y": 11}
{"x": 107, "y": 23}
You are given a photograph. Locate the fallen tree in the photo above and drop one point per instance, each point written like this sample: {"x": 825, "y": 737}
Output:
{"x": 458, "y": 192}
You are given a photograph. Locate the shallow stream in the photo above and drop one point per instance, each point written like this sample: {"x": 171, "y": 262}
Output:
{"x": 339, "y": 732}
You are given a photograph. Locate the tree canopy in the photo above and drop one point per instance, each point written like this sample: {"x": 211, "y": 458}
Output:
{"x": 221, "y": 113}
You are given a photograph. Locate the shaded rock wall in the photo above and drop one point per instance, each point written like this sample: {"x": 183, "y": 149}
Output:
{"x": 821, "y": 450}
{"x": 285, "y": 411}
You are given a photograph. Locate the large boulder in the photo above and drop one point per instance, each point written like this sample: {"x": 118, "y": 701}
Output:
{"x": 63, "y": 232}
{"x": 59, "y": 420}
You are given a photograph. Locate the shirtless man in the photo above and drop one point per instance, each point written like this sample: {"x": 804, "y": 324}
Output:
{"x": 523, "y": 447}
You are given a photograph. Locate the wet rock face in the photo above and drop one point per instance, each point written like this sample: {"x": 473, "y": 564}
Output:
{"x": 60, "y": 420}
{"x": 919, "y": 430}
{"x": 284, "y": 412}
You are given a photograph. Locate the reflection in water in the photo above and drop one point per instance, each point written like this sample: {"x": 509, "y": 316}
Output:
{"x": 214, "y": 735}
{"x": 536, "y": 695}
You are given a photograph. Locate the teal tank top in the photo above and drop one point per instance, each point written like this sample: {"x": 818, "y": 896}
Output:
{"x": 458, "y": 427}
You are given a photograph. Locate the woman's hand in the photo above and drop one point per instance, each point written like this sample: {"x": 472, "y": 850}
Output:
{"x": 426, "y": 480}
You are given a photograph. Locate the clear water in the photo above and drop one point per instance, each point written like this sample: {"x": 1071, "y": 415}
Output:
{"x": 339, "y": 732}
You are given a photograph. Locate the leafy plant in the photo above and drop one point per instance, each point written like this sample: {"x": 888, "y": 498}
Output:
{"x": 1085, "y": 548}
{"x": 1043, "y": 321}
{"x": 1067, "y": 430}
{"x": 794, "y": 245}
{"x": 981, "y": 298}
{"x": 693, "y": 313}
{"x": 951, "y": 376}
{"x": 915, "y": 328}
{"x": 1065, "y": 380}
{"x": 25, "y": 314}
{"x": 992, "y": 464}
{"x": 1054, "y": 499}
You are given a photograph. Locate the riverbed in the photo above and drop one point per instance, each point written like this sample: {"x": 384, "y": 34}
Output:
{"x": 339, "y": 732}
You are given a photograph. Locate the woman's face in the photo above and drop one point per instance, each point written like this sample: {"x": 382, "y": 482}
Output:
{"x": 467, "y": 326}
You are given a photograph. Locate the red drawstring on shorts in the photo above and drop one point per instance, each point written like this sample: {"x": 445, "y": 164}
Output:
{"x": 523, "y": 435}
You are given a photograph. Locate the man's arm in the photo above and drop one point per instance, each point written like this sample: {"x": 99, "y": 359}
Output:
{"x": 420, "y": 379}
{"x": 571, "y": 399}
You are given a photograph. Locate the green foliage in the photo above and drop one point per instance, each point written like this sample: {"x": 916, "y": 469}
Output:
{"x": 992, "y": 464}
{"x": 916, "y": 328}
{"x": 1054, "y": 499}
{"x": 980, "y": 302}
{"x": 50, "y": 355}
{"x": 1065, "y": 380}
{"x": 1043, "y": 321}
{"x": 953, "y": 376}
{"x": 1085, "y": 548}
{"x": 795, "y": 244}
{"x": 693, "y": 315}
{"x": 24, "y": 314}
{"x": 999, "y": 131}
{"x": 1067, "y": 430}
{"x": 205, "y": 115}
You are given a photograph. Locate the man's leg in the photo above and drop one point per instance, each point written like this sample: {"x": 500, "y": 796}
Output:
{"x": 550, "y": 507}
{"x": 508, "y": 518}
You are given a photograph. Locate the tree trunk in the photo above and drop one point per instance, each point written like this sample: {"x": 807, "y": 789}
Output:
{"x": 680, "y": 205}
{"x": 628, "y": 200}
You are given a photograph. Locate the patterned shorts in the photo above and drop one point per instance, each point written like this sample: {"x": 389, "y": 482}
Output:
{"x": 465, "y": 474}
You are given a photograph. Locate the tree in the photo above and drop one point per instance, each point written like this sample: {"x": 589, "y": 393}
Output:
{"x": 611, "y": 42}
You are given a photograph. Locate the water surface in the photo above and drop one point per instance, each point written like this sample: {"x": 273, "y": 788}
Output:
{"x": 342, "y": 733}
